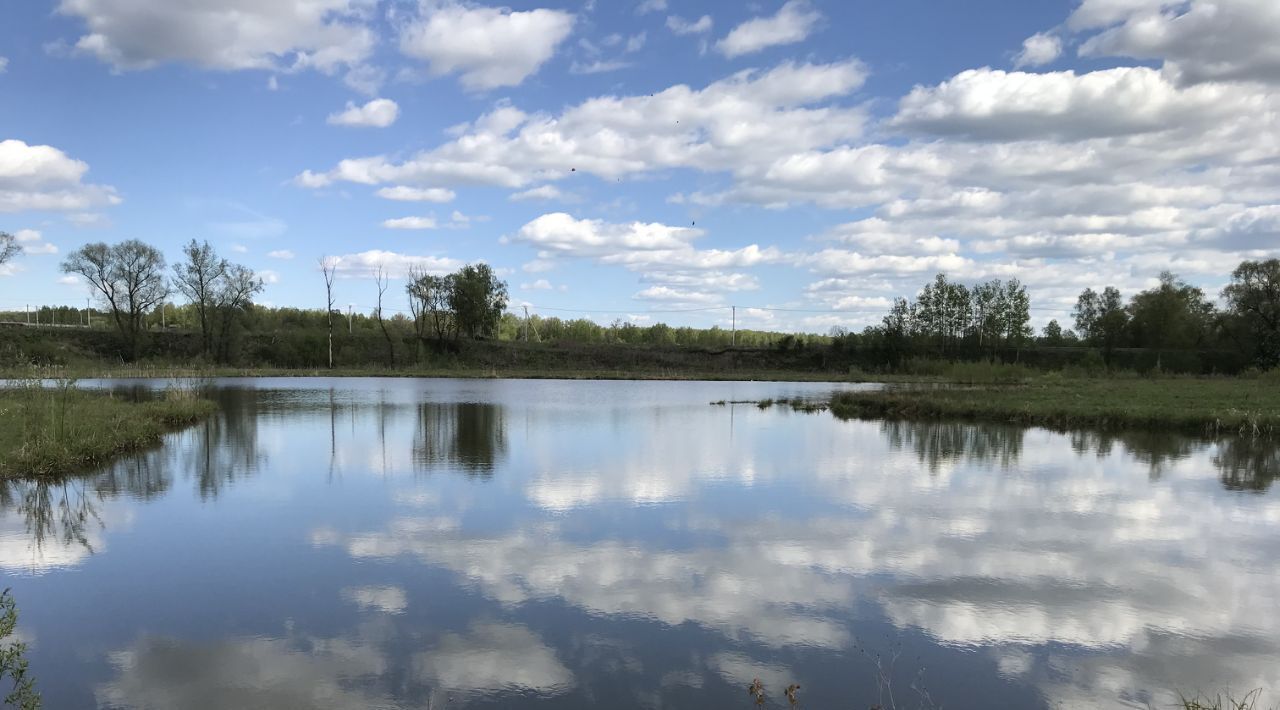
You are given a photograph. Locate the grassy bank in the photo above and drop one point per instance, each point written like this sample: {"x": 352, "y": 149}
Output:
{"x": 47, "y": 431}
{"x": 1194, "y": 405}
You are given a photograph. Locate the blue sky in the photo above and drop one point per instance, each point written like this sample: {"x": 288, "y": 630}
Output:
{"x": 620, "y": 157}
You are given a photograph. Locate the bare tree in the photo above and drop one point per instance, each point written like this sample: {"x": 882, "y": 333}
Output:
{"x": 197, "y": 278}
{"x": 329, "y": 267}
{"x": 8, "y": 247}
{"x": 130, "y": 278}
{"x": 380, "y": 278}
{"x": 234, "y": 294}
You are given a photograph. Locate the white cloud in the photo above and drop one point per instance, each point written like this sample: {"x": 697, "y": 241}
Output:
{"x": 669, "y": 295}
{"x": 647, "y": 6}
{"x": 1199, "y": 40}
{"x": 41, "y": 177}
{"x": 366, "y": 263}
{"x": 598, "y": 67}
{"x": 548, "y": 193}
{"x": 637, "y": 246}
{"x": 268, "y": 276}
{"x": 33, "y": 244}
{"x": 681, "y": 26}
{"x": 994, "y": 104}
{"x": 538, "y": 266}
{"x": 89, "y": 219}
{"x": 489, "y": 47}
{"x": 281, "y": 254}
{"x": 378, "y": 113}
{"x": 239, "y": 248}
{"x": 1038, "y": 49}
{"x": 539, "y": 285}
{"x": 741, "y": 123}
{"x": 225, "y": 34}
{"x": 793, "y": 23}
{"x": 410, "y": 223}
{"x": 365, "y": 78}
{"x": 414, "y": 194}
{"x": 4, "y": 64}
{"x": 703, "y": 280}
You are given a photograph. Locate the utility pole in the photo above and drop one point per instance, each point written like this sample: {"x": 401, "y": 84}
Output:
{"x": 733, "y": 334}
{"x": 162, "y": 323}
{"x": 88, "y": 313}
{"x": 350, "y": 328}
{"x": 526, "y": 324}
{"x": 27, "y": 308}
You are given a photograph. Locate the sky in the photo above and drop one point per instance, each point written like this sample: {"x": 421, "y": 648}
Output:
{"x": 651, "y": 160}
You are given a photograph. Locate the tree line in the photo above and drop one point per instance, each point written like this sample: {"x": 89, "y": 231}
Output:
{"x": 946, "y": 319}
{"x": 950, "y": 320}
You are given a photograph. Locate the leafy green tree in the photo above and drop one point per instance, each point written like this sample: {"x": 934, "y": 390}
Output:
{"x": 129, "y": 277}
{"x": 429, "y": 301}
{"x": 1052, "y": 334}
{"x": 1172, "y": 315}
{"x": 477, "y": 299}
{"x": 1102, "y": 319}
{"x": 1253, "y": 297}
{"x": 1014, "y": 314}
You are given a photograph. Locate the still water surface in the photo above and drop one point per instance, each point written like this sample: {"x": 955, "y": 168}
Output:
{"x": 398, "y": 543}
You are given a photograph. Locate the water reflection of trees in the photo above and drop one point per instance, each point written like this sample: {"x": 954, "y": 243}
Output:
{"x": 224, "y": 447}
{"x": 1247, "y": 464}
{"x": 54, "y": 512}
{"x": 937, "y": 443}
{"x": 1156, "y": 449}
{"x": 470, "y": 436}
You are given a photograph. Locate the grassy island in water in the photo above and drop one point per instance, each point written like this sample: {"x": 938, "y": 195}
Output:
{"x": 56, "y": 430}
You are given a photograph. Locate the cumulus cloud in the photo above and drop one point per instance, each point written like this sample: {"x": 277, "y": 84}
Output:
{"x": 647, "y": 6}
{"x": 225, "y": 34}
{"x": 4, "y": 64}
{"x": 281, "y": 254}
{"x": 994, "y": 104}
{"x": 1038, "y": 49}
{"x": 664, "y": 255}
{"x": 681, "y": 26}
{"x": 41, "y": 177}
{"x": 794, "y": 22}
{"x": 488, "y": 47}
{"x": 378, "y": 113}
{"x": 740, "y": 123}
{"x": 1199, "y": 40}
{"x": 539, "y": 285}
{"x": 33, "y": 243}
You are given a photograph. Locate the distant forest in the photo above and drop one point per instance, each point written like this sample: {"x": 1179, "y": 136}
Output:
{"x": 1173, "y": 325}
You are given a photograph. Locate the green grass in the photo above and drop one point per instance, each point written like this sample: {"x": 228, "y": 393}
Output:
{"x": 1210, "y": 406}
{"x": 50, "y": 431}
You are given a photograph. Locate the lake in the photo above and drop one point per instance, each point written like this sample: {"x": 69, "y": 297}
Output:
{"x": 405, "y": 543}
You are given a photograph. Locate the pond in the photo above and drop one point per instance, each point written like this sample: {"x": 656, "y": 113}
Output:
{"x": 404, "y": 543}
